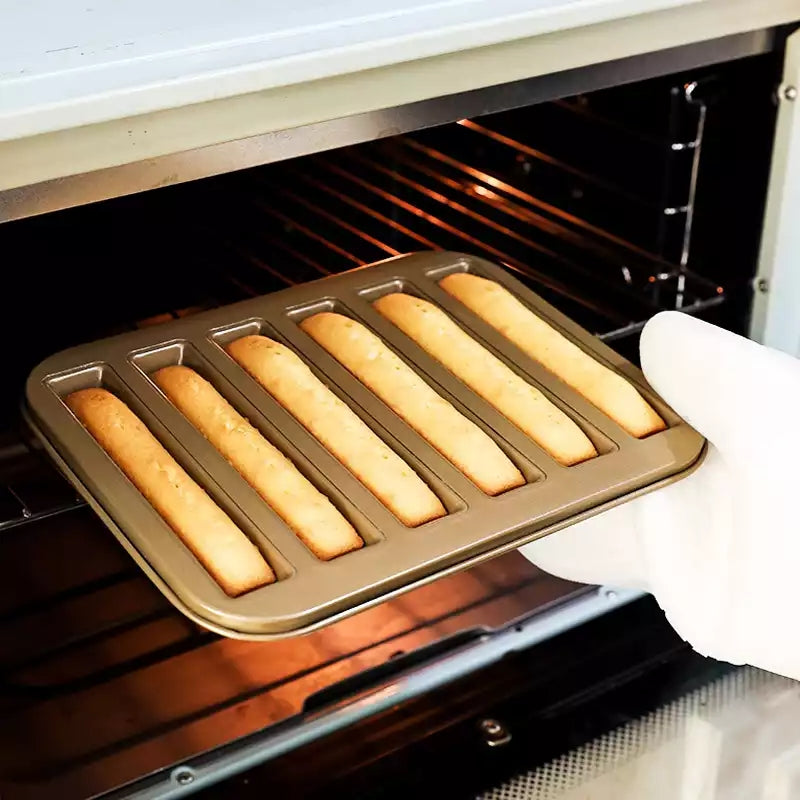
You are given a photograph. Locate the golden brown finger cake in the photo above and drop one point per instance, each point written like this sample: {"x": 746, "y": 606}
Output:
{"x": 601, "y": 386}
{"x": 284, "y": 375}
{"x": 280, "y": 484}
{"x": 220, "y": 546}
{"x": 487, "y": 376}
{"x": 377, "y": 366}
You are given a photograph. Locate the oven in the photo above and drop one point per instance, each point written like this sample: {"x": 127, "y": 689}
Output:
{"x": 663, "y": 180}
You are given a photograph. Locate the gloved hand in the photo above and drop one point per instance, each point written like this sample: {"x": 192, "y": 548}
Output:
{"x": 720, "y": 549}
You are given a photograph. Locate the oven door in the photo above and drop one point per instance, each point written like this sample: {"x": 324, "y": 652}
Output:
{"x": 616, "y": 708}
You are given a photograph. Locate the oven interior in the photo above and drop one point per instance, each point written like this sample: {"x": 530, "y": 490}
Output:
{"x": 612, "y": 205}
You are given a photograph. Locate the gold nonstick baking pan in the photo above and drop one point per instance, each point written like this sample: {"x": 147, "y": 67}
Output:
{"x": 310, "y": 592}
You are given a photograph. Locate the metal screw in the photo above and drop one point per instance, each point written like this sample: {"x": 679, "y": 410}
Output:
{"x": 494, "y": 732}
{"x": 183, "y": 777}
{"x": 762, "y": 285}
{"x": 790, "y": 93}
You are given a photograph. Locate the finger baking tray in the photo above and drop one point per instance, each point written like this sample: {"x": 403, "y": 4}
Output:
{"x": 310, "y": 592}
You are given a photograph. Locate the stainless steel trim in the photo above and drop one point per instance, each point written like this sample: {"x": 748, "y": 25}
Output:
{"x": 217, "y": 159}
{"x": 216, "y": 766}
{"x": 774, "y": 319}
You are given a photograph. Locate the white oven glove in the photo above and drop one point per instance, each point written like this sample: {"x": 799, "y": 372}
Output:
{"x": 720, "y": 549}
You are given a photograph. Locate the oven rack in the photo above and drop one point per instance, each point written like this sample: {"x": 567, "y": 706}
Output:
{"x": 445, "y": 189}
